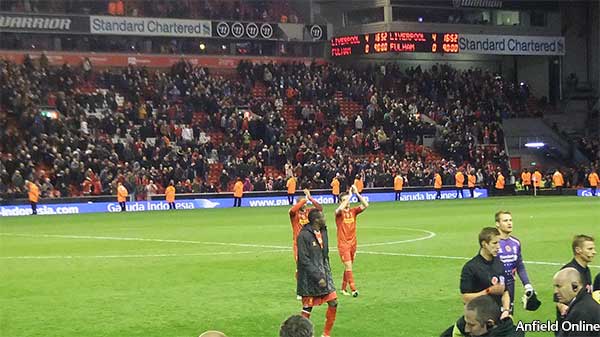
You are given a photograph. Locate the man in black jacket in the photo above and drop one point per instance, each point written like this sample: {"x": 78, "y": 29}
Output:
{"x": 482, "y": 317}
{"x": 483, "y": 275}
{"x": 315, "y": 283}
{"x": 584, "y": 250}
{"x": 583, "y": 314}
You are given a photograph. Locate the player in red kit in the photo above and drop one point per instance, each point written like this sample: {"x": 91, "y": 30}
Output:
{"x": 299, "y": 218}
{"x": 345, "y": 220}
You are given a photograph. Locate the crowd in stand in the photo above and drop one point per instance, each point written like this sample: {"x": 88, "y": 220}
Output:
{"x": 137, "y": 126}
{"x": 263, "y": 10}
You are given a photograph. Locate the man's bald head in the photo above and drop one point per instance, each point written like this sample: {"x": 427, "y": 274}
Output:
{"x": 213, "y": 334}
{"x": 569, "y": 275}
{"x": 567, "y": 284}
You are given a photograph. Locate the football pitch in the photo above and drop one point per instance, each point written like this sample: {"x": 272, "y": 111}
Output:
{"x": 179, "y": 273}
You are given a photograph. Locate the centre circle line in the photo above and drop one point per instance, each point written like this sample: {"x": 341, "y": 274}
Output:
{"x": 429, "y": 235}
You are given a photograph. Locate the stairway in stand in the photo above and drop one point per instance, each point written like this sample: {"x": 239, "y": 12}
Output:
{"x": 292, "y": 123}
{"x": 348, "y": 107}
{"x": 214, "y": 173}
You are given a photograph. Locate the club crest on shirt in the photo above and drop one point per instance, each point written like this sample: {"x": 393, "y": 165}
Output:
{"x": 314, "y": 243}
{"x": 494, "y": 280}
{"x": 508, "y": 248}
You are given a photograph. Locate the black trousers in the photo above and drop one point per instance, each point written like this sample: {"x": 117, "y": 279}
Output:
{"x": 122, "y": 204}
{"x": 499, "y": 191}
{"x": 459, "y": 190}
{"x": 33, "y": 208}
{"x": 291, "y": 199}
{"x": 171, "y": 205}
{"x": 397, "y": 197}
{"x": 336, "y": 198}
{"x": 472, "y": 190}
{"x": 438, "y": 194}
{"x": 237, "y": 202}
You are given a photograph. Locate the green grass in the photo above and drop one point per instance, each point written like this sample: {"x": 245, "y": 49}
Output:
{"x": 162, "y": 288}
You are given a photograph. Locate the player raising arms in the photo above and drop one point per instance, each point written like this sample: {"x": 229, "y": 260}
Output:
{"x": 299, "y": 217}
{"x": 345, "y": 220}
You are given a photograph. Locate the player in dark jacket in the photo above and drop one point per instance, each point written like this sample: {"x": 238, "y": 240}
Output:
{"x": 315, "y": 283}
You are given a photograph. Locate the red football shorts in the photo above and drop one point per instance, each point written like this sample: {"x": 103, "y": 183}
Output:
{"x": 314, "y": 301}
{"x": 347, "y": 252}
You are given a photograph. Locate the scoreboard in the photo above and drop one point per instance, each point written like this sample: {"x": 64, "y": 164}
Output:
{"x": 394, "y": 42}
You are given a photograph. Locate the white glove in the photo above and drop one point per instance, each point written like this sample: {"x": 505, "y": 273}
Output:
{"x": 528, "y": 290}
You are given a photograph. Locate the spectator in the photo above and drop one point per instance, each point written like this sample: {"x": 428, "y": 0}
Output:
{"x": 296, "y": 326}
{"x": 151, "y": 190}
{"x": 482, "y": 316}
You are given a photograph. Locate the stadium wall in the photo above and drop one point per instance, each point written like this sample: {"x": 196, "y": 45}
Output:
{"x": 492, "y": 63}
{"x": 581, "y": 28}
{"x": 148, "y": 60}
{"x": 533, "y": 70}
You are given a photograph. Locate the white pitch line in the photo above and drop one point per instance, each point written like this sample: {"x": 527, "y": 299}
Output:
{"x": 429, "y": 236}
{"x": 458, "y": 258}
{"x": 141, "y": 239}
{"x": 415, "y": 255}
{"x": 134, "y": 255}
{"x": 278, "y": 248}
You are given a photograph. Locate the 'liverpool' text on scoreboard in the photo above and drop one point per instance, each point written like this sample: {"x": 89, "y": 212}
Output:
{"x": 394, "y": 42}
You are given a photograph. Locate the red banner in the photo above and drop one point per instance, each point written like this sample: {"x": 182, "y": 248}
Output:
{"x": 148, "y": 60}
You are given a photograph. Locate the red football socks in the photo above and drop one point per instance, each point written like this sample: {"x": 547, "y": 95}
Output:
{"x": 330, "y": 319}
{"x": 349, "y": 277}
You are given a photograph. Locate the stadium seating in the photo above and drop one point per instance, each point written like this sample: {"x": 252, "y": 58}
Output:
{"x": 188, "y": 125}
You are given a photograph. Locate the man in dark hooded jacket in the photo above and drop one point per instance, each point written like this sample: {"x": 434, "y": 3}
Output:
{"x": 315, "y": 283}
{"x": 482, "y": 318}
